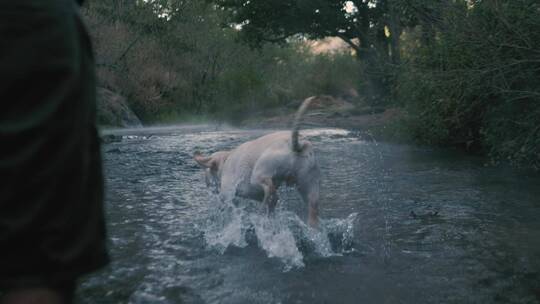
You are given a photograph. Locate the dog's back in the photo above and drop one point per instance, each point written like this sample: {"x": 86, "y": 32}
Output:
{"x": 242, "y": 161}
{"x": 257, "y": 168}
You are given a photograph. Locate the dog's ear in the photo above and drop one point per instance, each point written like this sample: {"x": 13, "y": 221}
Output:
{"x": 204, "y": 161}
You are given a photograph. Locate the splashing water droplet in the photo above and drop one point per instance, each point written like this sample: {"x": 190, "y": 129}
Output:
{"x": 277, "y": 240}
{"x": 283, "y": 235}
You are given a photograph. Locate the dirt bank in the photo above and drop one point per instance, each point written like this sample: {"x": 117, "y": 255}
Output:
{"x": 337, "y": 113}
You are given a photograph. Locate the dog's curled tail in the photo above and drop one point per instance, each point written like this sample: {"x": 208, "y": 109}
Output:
{"x": 296, "y": 124}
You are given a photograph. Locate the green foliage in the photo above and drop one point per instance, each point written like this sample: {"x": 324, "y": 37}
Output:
{"x": 363, "y": 25}
{"x": 187, "y": 63}
{"x": 467, "y": 72}
{"x": 478, "y": 83}
{"x": 274, "y": 21}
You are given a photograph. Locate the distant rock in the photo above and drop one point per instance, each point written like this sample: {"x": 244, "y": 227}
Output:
{"x": 329, "y": 111}
{"x": 350, "y": 94}
{"x": 330, "y": 102}
{"x": 114, "y": 111}
{"x": 110, "y": 138}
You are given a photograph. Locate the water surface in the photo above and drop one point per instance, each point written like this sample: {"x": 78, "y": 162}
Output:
{"x": 401, "y": 224}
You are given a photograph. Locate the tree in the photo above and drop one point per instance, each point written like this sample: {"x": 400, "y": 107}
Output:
{"x": 371, "y": 28}
{"x": 474, "y": 81}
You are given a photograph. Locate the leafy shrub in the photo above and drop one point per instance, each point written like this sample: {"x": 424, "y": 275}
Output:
{"x": 478, "y": 83}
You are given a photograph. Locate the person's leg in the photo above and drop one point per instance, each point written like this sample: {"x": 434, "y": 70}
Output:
{"x": 51, "y": 207}
{"x": 61, "y": 293}
{"x": 36, "y": 296}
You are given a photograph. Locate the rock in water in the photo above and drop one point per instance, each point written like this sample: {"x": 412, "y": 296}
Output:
{"x": 113, "y": 110}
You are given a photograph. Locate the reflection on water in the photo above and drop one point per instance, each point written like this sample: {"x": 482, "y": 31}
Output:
{"x": 400, "y": 224}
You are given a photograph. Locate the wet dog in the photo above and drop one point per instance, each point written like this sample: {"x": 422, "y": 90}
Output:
{"x": 257, "y": 168}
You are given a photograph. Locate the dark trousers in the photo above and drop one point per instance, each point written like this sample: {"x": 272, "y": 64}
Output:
{"x": 51, "y": 187}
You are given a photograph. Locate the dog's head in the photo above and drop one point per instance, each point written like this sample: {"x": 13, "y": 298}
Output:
{"x": 212, "y": 166}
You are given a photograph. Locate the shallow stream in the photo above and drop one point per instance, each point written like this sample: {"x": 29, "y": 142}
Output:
{"x": 400, "y": 224}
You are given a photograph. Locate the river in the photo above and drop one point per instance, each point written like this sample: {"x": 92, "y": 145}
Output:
{"x": 400, "y": 224}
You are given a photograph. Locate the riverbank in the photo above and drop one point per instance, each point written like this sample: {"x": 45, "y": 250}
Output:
{"x": 372, "y": 123}
{"x": 382, "y": 206}
{"x": 378, "y": 122}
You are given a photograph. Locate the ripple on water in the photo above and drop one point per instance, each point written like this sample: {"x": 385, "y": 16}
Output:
{"x": 173, "y": 242}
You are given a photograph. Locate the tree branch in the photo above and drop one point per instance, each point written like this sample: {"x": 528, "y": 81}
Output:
{"x": 131, "y": 45}
{"x": 353, "y": 45}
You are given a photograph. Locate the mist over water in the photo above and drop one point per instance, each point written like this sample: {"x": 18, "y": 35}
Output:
{"x": 399, "y": 224}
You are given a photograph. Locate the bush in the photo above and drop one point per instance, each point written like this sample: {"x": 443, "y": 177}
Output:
{"x": 189, "y": 65}
{"x": 478, "y": 83}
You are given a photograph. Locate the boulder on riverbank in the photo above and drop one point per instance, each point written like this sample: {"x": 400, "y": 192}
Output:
{"x": 113, "y": 110}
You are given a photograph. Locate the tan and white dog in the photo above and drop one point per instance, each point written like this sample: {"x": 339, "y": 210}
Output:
{"x": 255, "y": 169}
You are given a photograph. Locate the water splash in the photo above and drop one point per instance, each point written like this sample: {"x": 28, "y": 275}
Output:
{"x": 283, "y": 235}
{"x": 276, "y": 238}
{"x": 341, "y": 233}
{"x": 225, "y": 228}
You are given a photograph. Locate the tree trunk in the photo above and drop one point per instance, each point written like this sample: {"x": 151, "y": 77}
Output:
{"x": 395, "y": 47}
{"x": 395, "y": 29}
{"x": 372, "y": 74}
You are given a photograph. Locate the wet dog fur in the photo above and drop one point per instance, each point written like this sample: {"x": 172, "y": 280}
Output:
{"x": 257, "y": 168}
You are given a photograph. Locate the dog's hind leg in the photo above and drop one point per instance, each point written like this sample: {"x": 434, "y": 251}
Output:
{"x": 270, "y": 194}
{"x": 308, "y": 186}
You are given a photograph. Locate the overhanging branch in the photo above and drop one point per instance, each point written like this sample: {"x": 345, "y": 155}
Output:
{"x": 351, "y": 43}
